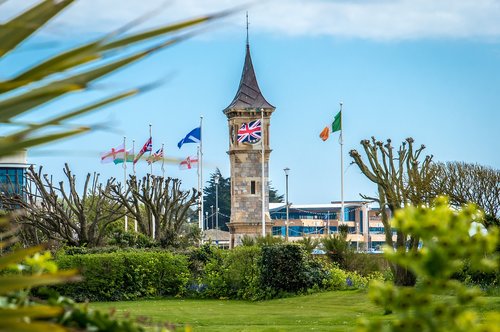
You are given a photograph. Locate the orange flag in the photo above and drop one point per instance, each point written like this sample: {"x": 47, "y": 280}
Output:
{"x": 325, "y": 133}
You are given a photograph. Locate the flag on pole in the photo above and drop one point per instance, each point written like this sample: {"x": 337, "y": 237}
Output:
{"x": 194, "y": 136}
{"x": 189, "y": 163}
{"x": 120, "y": 157}
{"x": 336, "y": 126}
{"x": 158, "y": 155}
{"x": 148, "y": 146}
{"x": 110, "y": 156}
{"x": 337, "y": 123}
{"x": 250, "y": 132}
{"x": 325, "y": 133}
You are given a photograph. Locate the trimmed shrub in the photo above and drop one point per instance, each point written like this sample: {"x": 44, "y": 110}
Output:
{"x": 288, "y": 268}
{"x": 235, "y": 274}
{"x": 125, "y": 275}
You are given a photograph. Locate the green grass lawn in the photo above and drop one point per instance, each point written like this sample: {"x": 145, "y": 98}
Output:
{"x": 329, "y": 311}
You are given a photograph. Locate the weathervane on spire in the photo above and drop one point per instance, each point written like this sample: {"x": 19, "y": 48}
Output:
{"x": 247, "y": 28}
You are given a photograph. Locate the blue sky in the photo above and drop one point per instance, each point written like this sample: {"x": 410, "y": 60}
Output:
{"x": 402, "y": 68}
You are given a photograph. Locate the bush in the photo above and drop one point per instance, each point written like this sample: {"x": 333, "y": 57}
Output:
{"x": 126, "y": 275}
{"x": 365, "y": 264}
{"x": 235, "y": 275}
{"x": 341, "y": 280}
{"x": 288, "y": 268}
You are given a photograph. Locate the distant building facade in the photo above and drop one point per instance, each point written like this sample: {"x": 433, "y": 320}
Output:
{"x": 13, "y": 174}
{"x": 366, "y": 230}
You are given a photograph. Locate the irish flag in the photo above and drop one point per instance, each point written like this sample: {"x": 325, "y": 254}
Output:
{"x": 336, "y": 126}
{"x": 115, "y": 153}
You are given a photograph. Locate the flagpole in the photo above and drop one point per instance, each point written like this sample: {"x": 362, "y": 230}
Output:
{"x": 133, "y": 153}
{"x": 201, "y": 173}
{"x": 263, "y": 175}
{"x": 151, "y": 151}
{"x": 153, "y": 221}
{"x": 125, "y": 175}
{"x": 133, "y": 169}
{"x": 200, "y": 213}
{"x": 341, "y": 166}
{"x": 163, "y": 160}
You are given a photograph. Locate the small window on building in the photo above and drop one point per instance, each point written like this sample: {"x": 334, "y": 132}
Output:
{"x": 252, "y": 187}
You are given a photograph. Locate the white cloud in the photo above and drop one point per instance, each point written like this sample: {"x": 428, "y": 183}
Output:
{"x": 370, "y": 19}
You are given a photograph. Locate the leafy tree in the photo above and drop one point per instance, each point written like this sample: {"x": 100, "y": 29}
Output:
{"x": 337, "y": 246}
{"x": 274, "y": 196}
{"x": 60, "y": 213}
{"x": 247, "y": 241}
{"x": 447, "y": 245}
{"x": 209, "y": 199}
{"x": 402, "y": 179}
{"x": 268, "y": 240}
{"x": 470, "y": 183}
{"x": 308, "y": 243}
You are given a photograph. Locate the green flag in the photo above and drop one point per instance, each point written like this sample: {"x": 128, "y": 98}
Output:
{"x": 337, "y": 124}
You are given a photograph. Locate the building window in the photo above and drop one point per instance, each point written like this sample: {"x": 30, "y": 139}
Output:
{"x": 11, "y": 180}
{"x": 252, "y": 187}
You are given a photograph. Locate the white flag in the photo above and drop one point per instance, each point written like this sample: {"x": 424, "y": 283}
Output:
{"x": 189, "y": 162}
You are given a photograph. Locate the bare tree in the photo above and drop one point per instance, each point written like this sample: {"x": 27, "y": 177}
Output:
{"x": 159, "y": 199}
{"x": 402, "y": 179}
{"x": 60, "y": 213}
{"x": 470, "y": 183}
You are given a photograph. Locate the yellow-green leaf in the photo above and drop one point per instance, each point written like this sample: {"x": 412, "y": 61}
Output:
{"x": 17, "y": 256}
{"x": 33, "y": 311}
{"x": 24, "y": 25}
{"x": 10, "y": 145}
{"x": 12, "y": 325}
{"x": 10, "y": 283}
{"x": 19, "y": 104}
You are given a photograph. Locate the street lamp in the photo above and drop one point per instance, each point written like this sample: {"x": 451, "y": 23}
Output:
{"x": 216, "y": 180}
{"x": 212, "y": 208}
{"x": 287, "y": 205}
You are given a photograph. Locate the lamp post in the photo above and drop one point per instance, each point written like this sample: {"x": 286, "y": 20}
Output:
{"x": 287, "y": 205}
{"x": 216, "y": 180}
{"x": 212, "y": 215}
{"x": 204, "y": 223}
{"x": 206, "y": 219}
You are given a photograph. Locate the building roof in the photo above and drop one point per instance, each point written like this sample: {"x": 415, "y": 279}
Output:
{"x": 216, "y": 235}
{"x": 248, "y": 95}
{"x": 333, "y": 205}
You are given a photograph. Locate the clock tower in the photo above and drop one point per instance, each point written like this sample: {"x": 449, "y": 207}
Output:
{"x": 249, "y": 153}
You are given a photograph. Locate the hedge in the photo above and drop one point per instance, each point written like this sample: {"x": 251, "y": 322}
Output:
{"x": 250, "y": 273}
{"x": 125, "y": 275}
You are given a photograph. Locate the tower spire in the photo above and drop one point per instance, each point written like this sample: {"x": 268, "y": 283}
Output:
{"x": 248, "y": 95}
{"x": 247, "y": 30}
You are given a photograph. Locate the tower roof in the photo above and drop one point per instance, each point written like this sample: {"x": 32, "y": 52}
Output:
{"x": 248, "y": 95}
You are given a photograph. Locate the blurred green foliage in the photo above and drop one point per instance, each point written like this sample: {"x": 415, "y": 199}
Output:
{"x": 447, "y": 243}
